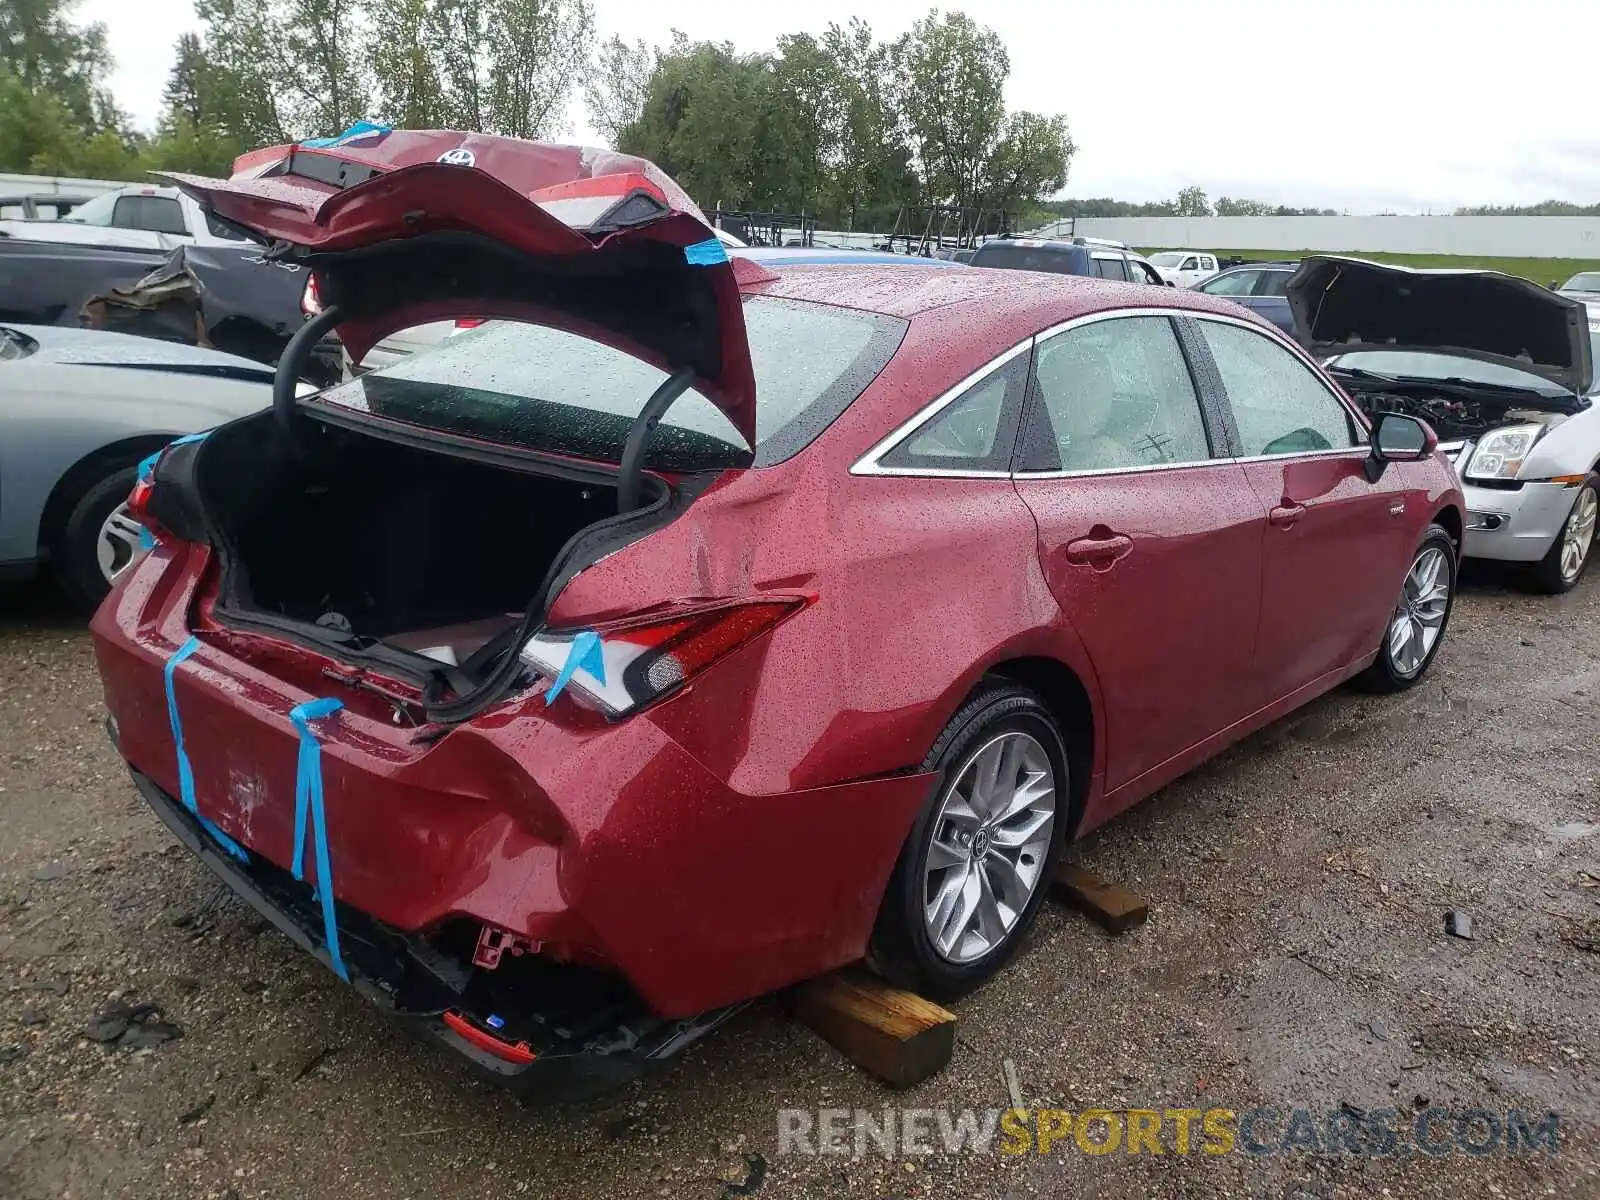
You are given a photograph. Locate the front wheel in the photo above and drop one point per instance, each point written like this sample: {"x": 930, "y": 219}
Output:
{"x": 1416, "y": 628}
{"x": 1561, "y": 568}
{"x": 977, "y": 864}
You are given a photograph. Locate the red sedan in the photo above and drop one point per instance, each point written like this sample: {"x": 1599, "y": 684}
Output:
{"x": 694, "y": 626}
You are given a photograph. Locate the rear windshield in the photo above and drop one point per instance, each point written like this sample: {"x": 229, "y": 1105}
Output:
{"x": 545, "y": 389}
{"x": 1026, "y": 258}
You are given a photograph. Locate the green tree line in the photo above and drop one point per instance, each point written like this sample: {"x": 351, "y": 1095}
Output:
{"x": 843, "y": 125}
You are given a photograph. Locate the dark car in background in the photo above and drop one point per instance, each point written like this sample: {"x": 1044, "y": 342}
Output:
{"x": 1260, "y": 287}
{"x": 1079, "y": 256}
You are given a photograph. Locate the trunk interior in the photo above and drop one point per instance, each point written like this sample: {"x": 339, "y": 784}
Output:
{"x": 368, "y": 539}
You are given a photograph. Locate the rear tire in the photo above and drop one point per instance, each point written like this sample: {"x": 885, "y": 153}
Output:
{"x": 80, "y": 562}
{"x": 1570, "y": 553}
{"x": 970, "y": 878}
{"x": 1405, "y": 654}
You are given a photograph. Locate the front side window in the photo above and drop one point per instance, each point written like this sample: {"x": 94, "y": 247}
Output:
{"x": 1189, "y": 264}
{"x": 1279, "y": 404}
{"x": 1114, "y": 394}
{"x": 1234, "y": 283}
{"x": 98, "y": 211}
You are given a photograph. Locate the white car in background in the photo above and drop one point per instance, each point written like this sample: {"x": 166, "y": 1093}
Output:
{"x": 1184, "y": 268}
{"x": 1503, "y": 369}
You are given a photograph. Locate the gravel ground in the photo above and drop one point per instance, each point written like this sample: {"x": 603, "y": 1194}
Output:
{"x": 1296, "y": 955}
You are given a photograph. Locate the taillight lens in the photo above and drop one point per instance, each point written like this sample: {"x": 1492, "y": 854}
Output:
{"x": 644, "y": 660}
{"x": 139, "y": 509}
{"x": 468, "y": 322}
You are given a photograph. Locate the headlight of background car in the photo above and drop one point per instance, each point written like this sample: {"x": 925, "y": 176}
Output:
{"x": 1501, "y": 452}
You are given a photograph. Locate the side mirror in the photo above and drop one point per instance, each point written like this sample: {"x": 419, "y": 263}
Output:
{"x": 1398, "y": 438}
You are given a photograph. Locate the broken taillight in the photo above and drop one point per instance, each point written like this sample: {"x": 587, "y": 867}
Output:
{"x": 628, "y": 664}
{"x": 139, "y": 509}
{"x": 311, "y": 299}
{"x": 513, "y": 1052}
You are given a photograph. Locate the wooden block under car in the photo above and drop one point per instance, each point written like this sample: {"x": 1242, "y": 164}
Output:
{"x": 897, "y": 1035}
{"x": 1109, "y": 905}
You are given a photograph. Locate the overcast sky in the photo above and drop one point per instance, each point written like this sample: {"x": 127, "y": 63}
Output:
{"x": 1370, "y": 105}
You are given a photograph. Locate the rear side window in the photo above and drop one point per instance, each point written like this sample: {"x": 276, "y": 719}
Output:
{"x": 160, "y": 214}
{"x": 1025, "y": 258}
{"x": 1235, "y": 283}
{"x": 546, "y": 389}
{"x": 1273, "y": 283}
{"x": 1279, "y": 405}
{"x": 1111, "y": 268}
{"x": 975, "y": 432}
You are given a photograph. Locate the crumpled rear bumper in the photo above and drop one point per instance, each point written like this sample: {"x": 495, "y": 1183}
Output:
{"x": 409, "y": 985}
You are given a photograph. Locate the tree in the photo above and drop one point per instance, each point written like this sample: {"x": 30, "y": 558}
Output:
{"x": 700, "y": 118}
{"x": 244, "y": 47}
{"x": 873, "y": 167}
{"x": 801, "y": 126}
{"x": 49, "y": 55}
{"x": 952, "y": 73}
{"x": 509, "y": 66}
{"x": 322, "y": 67}
{"x": 618, "y": 85}
{"x": 1192, "y": 202}
{"x": 1031, "y": 161}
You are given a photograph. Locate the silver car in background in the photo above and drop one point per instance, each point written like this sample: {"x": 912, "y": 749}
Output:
{"x": 81, "y": 409}
{"x": 1503, "y": 369}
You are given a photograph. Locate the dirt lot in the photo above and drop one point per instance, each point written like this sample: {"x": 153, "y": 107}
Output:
{"x": 1296, "y": 956}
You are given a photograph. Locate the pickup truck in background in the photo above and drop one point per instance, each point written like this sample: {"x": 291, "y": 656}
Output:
{"x": 140, "y": 217}
{"x": 1184, "y": 268}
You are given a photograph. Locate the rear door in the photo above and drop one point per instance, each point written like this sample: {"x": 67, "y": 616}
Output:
{"x": 1335, "y": 546}
{"x": 1149, "y": 534}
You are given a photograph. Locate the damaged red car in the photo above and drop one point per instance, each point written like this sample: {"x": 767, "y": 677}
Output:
{"x": 694, "y": 626}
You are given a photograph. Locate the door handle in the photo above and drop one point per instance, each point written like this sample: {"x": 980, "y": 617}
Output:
{"x": 1286, "y": 514}
{"x": 1099, "y": 552}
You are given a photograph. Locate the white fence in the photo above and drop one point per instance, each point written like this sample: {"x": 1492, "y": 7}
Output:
{"x": 39, "y": 185}
{"x": 1504, "y": 237}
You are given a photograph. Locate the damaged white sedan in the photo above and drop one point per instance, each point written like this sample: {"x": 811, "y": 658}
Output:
{"x": 1503, "y": 370}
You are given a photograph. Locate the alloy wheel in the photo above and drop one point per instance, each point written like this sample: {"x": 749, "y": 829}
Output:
{"x": 1577, "y": 536}
{"x": 991, "y": 838}
{"x": 1419, "y": 617}
{"x": 120, "y": 544}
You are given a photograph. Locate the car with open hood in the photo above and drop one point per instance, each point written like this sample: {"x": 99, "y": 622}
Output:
{"x": 698, "y": 625}
{"x": 1502, "y": 368}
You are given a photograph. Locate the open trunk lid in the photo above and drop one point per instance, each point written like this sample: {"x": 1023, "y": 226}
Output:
{"x": 1347, "y": 304}
{"x": 403, "y": 227}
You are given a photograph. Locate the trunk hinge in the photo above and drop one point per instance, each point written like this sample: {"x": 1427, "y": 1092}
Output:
{"x": 639, "y": 434}
{"x": 295, "y": 355}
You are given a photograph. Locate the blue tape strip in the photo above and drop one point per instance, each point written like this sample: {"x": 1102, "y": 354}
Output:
{"x": 359, "y": 132}
{"x": 308, "y": 804}
{"x": 585, "y": 652}
{"x": 185, "y": 771}
{"x": 708, "y": 253}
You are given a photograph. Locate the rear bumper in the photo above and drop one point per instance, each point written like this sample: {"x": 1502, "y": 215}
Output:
{"x": 607, "y": 843}
{"x": 1515, "y": 526}
{"x": 382, "y": 968}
